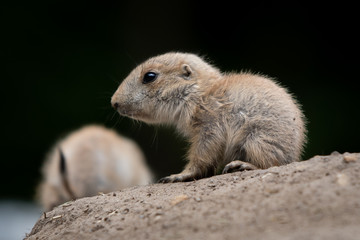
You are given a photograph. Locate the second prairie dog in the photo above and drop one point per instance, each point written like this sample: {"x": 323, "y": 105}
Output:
{"x": 97, "y": 159}
{"x": 241, "y": 120}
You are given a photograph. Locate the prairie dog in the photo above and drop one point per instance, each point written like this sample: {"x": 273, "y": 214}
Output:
{"x": 90, "y": 160}
{"x": 242, "y": 121}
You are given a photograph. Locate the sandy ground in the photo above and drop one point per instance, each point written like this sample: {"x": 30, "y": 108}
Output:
{"x": 314, "y": 199}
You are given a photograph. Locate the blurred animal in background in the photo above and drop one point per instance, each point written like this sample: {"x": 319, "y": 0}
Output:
{"x": 90, "y": 160}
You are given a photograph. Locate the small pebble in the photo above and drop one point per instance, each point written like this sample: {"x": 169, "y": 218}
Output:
{"x": 349, "y": 157}
{"x": 179, "y": 199}
{"x": 342, "y": 179}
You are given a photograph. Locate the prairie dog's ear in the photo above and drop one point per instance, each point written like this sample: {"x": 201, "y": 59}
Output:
{"x": 186, "y": 71}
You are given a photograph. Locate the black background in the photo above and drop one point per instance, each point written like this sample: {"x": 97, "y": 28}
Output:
{"x": 63, "y": 60}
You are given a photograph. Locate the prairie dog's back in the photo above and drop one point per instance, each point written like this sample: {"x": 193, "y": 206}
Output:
{"x": 261, "y": 96}
{"x": 97, "y": 160}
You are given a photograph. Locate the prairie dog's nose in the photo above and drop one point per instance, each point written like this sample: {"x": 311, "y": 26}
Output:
{"x": 115, "y": 101}
{"x": 115, "y": 105}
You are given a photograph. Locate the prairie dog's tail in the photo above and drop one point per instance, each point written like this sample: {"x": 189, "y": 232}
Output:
{"x": 64, "y": 175}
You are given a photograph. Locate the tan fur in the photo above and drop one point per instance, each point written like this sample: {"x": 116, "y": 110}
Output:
{"x": 97, "y": 160}
{"x": 226, "y": 117}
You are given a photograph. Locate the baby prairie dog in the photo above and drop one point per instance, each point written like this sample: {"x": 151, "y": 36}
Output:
{"x": 90, "y": 160}
{"x": 242, "y": 121}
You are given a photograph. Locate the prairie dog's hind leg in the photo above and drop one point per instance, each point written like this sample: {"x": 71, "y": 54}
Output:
{"x": 237, "y": 165}
{"x": 261, "y": 149}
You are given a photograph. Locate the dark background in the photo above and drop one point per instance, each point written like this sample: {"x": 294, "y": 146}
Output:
{"x": 63, "y": 60}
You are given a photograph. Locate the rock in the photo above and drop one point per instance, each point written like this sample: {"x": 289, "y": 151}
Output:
{"x": 350, "y": 157}
{"x": 313, "y": 199}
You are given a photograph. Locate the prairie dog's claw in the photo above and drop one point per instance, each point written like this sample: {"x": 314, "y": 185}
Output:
{"x": 181, "y": 177}
{"x": 236, "y": 166}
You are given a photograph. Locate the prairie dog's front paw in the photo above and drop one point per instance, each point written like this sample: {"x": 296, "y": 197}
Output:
{"x": 181, "y": 177}
{"x": 236, "y": 166}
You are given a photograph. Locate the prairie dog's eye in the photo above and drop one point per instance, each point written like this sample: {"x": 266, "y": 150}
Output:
{"x": 149, "y": 77}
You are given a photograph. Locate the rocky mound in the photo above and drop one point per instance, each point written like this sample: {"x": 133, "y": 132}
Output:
{"x": 314, "y": 199}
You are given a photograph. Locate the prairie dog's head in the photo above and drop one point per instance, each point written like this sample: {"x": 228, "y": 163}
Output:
{"x": 162, "y": 88}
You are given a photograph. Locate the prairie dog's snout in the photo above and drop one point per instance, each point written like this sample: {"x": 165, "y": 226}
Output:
{"x": 115, "y": 105}
{"x": 116, "y": 98}
{"x": 114, "y": 102}
{"x": 241, "y": 121}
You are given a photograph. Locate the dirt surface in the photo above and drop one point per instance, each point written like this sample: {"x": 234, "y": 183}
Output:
{"x": 314, "y": 199}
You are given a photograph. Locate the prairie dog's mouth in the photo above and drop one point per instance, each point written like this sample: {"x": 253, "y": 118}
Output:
{"x": 127, "y": 113}
{"x": 136, "y": 115}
